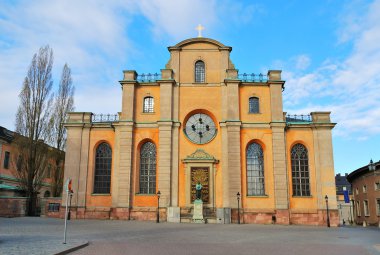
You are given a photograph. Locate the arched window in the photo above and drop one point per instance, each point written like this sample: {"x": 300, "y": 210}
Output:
{"x": 255, "y": 170}
{"x": 47, "y": 194}
{"x": 300, "y": 171}
{"x": 199, "y": 71}
{"x": 148, "y": 168}
{"x": 254, "y": 106}
{"x": 103, "y": 162}
{"x": 148, "y": 104}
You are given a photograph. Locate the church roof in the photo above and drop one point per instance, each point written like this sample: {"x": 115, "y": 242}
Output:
{"x": 199, "y": 40}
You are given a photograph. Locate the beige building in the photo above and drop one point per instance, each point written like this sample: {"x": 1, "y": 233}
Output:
{"x": 366, "y": 194}
{"x": 199, "y": 120}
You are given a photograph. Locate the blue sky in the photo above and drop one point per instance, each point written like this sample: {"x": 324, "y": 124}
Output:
{"x": 329, "y": 52}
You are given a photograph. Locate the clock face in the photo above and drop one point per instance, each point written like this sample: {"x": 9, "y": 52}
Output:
{"x": 200, "y": 128}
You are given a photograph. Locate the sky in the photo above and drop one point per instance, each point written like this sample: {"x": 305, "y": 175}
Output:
{"x": 328, "y": 51}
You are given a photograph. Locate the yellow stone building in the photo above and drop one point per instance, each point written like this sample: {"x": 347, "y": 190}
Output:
{"x": 201, "y": 121}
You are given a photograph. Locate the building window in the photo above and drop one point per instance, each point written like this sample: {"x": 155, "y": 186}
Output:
{"x": 364, "y": 188}
{"x": 366, "y": 209}
{"x": 47, "y": 194}
{"x": 7, "y": 156}
{"x": 148, "y": 104}
{"x": 255, "y": 170}
{"x": 377, "y": 185}
{"x": 378, "y": 206}
{"x": 53, "y": 207}
{"x": 300, "y": 170}
{"x": 103, "y": 163}
{"x": 358, "y": 211}
{"x": 254, "y": 106}
{"x": 148, "y": 168}
{"x": 199, "y": 72}
{"x": 48, "y": 171}
{"x": 357, "y": 191}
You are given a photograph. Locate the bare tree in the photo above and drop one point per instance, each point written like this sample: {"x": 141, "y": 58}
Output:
{"x": 64, "y": 103}
{"x": 33, "y": 121}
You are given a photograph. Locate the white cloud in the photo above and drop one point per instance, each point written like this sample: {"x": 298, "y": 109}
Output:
{"x": 178, "y": 19}
{"x": 350, "y": 88}
{"x": 85, "y": 34}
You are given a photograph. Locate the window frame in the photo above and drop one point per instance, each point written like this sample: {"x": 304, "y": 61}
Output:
{"x": 300, "y": 184}
{"x": 255, "y": 171}
{"x": 366, "y": 208}
{"x": 358, "y": 209}
{"x": 148, "y": 104}
{"x": 378, "y": 206}
{"x": 255, "y": 102}
{"x": 202, "y": 73}
{"x": 105, "y": 161}
{"x": 147, "y": 180}
{"x": 7, "y": 157}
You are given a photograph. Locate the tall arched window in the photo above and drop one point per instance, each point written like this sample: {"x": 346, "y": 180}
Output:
{"x": 148, "y": 104}
{"x": 254, "y": 106}
{"x": 103, "y": 163}
{"x": 148, "y": 168}
{"x": 300, "y": 171}
{"x": 255, "y": 170}
{"x": 199, "y": 71}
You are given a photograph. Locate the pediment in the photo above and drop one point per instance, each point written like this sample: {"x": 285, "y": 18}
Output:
{"x": 200, "y": 155}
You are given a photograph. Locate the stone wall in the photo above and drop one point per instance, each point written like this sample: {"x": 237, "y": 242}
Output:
{"x": 12, "y": 206}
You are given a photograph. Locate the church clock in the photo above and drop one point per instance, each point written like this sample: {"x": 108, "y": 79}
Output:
{"x": 200, "y": 128}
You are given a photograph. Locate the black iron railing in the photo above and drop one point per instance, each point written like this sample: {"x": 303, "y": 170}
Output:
{"x": 251, "y": 77}
{"x": 149, "y": 77}
{"x": 105, "y": 117}
{"x": 298, "y": 118}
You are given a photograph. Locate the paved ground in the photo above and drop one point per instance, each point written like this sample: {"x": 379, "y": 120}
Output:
{"x": 45, "y": 236}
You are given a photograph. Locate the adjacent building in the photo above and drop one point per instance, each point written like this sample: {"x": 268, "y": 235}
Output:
{"x": 343, "y": 197}
{"x": 199, "y": 120}
{"x": 365, "y": 183}
{"x": 12, "y": 196}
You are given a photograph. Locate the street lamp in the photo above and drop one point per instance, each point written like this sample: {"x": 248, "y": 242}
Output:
{"x": 158, "y": 206}
{"x": 371, "y": 166}
{"x": 327, "y": 207}
{"x": 238, "y": 199}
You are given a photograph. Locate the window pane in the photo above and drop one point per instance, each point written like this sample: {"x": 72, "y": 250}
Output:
{"x": 148, "y": 168}
{"x": 255, "y": 170}
{"x": 6, "y": 159}
{"x": 300, "y": 171}
{"x": 199, "y": 71}
{"x": 103, "y": 162}
{"x": 148, "y": 104}
{"x": 254, "y": 105}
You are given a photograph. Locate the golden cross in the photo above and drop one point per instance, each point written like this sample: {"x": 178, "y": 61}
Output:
{"x": 199, "y": 28}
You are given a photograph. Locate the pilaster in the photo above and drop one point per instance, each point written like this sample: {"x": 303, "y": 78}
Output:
{"x": 276, "y": 86}
{"x": 323, "y": 156}
{"x": 279, "y": 166}
{"x": 164, "y": 162}
{"x": 165, "y": 148}
{"x": 123, "y": 171}
{"x": 128, "y": 86}
{"x": 77, "y": 152}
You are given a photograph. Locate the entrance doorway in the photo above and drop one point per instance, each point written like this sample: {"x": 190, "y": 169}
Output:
{"x": 201, "y": 175}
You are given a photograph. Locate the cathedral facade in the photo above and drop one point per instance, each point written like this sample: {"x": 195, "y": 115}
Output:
{"x": 200, "y": 121}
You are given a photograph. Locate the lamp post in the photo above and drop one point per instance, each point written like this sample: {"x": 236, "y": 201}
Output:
{"x": 238, "y": 199}
{"x": 327, "y": 207}
{"x": 371, "y": 166}
{"x": 353, "y": 212}
{"x": 158, "y": 206}
{"x": 341, "y": 215}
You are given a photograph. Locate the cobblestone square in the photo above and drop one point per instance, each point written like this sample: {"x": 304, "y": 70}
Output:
{"x": 45, "y": 236}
